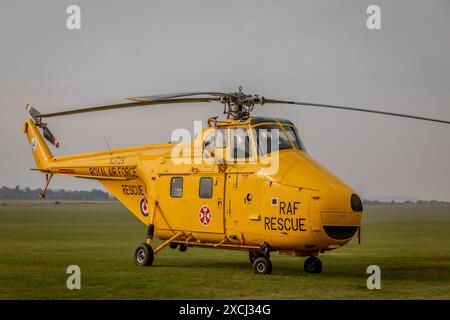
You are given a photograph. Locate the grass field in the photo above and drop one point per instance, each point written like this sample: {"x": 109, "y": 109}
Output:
{"x": 410, "y": 243}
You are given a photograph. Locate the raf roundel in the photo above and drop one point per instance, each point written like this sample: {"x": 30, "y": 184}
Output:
{"x": 205, "y": 215}
{"x": 144, "y": 207}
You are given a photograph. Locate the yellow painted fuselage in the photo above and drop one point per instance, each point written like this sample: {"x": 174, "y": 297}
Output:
{"x": 298, "y": 209}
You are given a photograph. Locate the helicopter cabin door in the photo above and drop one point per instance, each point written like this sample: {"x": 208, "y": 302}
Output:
{"x": 205, "y": 188}
{"x": 192, "y": 201}
{"x": 242, "y": 201}
{"x": 205, "y": 207}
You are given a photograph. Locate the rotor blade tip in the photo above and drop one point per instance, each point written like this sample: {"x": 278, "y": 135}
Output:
{"x": 137, "y": 99}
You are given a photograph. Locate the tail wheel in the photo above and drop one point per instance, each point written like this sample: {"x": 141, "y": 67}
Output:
{"x": 313, "y": 265}
{"x": 262, "y": 265}
{"x": 143, "y": 255}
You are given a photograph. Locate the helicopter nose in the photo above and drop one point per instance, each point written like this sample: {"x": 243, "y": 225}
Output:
{"x": 340, "y": 211}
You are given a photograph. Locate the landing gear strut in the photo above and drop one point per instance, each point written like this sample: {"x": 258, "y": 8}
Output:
{"x": 253, "y": 255}
{"x": 144, "y": 254}
{"x": 261, "y": 260}
{"x": 313, "y": 265}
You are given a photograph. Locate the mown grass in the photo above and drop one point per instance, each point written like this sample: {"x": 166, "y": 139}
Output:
{"x": 410, "y": 243}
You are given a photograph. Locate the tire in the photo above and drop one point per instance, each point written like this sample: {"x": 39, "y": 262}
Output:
{"x": 143, "y": 255}
{"x": 262, "y": 265}
{"x": 173, "y": 245}
{"x": 182, "y": 248}
{"x": 313, "y": 265}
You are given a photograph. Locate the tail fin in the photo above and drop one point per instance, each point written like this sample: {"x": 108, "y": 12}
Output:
{"x": 41, "y": 152}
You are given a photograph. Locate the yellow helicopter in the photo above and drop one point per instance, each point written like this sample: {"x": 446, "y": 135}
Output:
{"x": 244, "y": 183}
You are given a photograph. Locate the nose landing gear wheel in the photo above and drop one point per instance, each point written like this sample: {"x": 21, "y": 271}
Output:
{"x": 262, "y": 265}
{"x": 313, "y": 265}
{"x": 143, "y": 255}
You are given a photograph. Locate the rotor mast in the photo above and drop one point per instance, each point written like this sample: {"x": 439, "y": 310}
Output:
{"x": 238, "y": 105}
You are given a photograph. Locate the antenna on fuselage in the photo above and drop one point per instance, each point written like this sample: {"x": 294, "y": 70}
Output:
{"x": 107, "y": 144}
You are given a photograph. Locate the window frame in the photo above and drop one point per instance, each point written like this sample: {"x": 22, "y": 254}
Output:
{"x": 281, "y": 133}
{"x": 213, "y": 141}
{"x": 299, "y": 141}
{"x": 232, "y": 144}
{"x": 171, "y": 188}
{"x": 200, "y": 187}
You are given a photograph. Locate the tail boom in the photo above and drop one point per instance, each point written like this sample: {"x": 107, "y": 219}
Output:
{"x": 41, "y": 152}
{"x": 119, "y": 164}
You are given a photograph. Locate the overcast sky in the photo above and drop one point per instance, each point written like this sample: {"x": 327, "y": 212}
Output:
{"x": 316, "y": 51}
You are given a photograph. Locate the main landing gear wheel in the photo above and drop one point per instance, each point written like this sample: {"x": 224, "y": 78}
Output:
{"x": 262, "y": 265}
{"x": 143, "y": 255}
{"x": 173, "y": 245}
{"x": 313, "y": 265}
{"x": 182, "y": 248}
{"x": 253, "y": 255}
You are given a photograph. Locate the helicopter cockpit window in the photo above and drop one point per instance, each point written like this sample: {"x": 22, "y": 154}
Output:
{"x": 176, "y": 187}
{"x": 270, "y": 138}
{"x": 216, "y": 139}
{"x": 240, "y": 143}
{"x": 206, "y": 186}
{"x": 293, "y": 136}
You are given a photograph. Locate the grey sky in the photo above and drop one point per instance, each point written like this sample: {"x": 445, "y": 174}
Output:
{"x": 317, "y": 51}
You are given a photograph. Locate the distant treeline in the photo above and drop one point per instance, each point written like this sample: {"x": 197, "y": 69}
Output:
{"x": 434, "y": 202}
{"x": 18, "y": 193}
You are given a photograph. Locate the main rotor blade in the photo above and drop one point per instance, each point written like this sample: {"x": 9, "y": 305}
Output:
{"x": 126, "y": 105}
{"x": 354, "y": 109}
{"x": 178, "y": 95}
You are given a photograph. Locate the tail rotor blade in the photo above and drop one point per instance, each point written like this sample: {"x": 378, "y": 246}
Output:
{"x": 33, "y": 113}
{"x": 50, "y": 137}
{"x": 37, "y": 117}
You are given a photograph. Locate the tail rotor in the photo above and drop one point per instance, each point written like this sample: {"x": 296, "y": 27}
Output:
{"x": 35, "y": 114}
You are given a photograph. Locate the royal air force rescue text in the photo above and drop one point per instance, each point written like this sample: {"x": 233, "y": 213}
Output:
{"x": 122, "y": 172}
{"x": 285, "y": 221}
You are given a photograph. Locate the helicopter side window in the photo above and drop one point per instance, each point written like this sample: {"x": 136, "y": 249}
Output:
{"x": 270, "y": 138}
{"x": 176, "y": 187}
{"x": 240, "y": 143}
{"x": 206, "y": 186}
